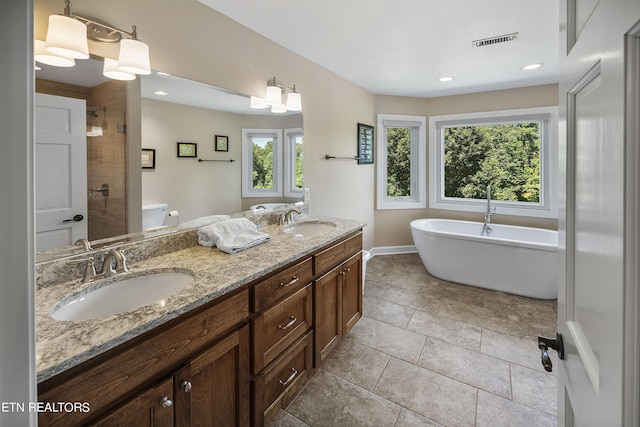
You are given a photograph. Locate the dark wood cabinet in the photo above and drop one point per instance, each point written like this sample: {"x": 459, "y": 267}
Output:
{"x": 337, "y": 294}
{"x": 328, "y": 312}
{"x": 152, "y": 408}
{"x": 213, "y": 389}
{"x": 351, "y": 293}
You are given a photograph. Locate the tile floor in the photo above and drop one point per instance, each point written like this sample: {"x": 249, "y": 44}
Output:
{"x": 433, "y": 353}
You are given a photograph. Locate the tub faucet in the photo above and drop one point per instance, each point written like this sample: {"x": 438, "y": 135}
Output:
{"x": 107, "y": 265}
{"x": 487, "y": 214}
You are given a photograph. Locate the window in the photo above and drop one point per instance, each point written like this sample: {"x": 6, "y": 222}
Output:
{"x": 401, "y": 162}
{"x": 261, "y": 164}
{"x": 509, "y": 150}
{"x": 293, "y": 161}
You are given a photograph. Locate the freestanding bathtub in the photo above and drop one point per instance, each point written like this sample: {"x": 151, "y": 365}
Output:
{"x": 517, "y": 260}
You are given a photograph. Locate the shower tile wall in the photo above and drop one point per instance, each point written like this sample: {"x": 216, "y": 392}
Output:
{"x": 106, "y": 162}
{"x": 432, "y": 353}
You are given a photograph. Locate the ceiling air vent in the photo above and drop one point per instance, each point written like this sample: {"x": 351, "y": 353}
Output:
{"x": 495, "y": 40}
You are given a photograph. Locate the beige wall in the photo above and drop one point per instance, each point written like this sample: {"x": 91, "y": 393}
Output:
{"x": 190, "y": 40}
{"x": 392, "y": 226}
{"x": 198, "y": 189}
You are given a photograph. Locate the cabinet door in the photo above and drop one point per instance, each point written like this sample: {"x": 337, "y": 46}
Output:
{"x": 152, "y": 408}
{"x": 328, "y": 313}
{"x": 213, "y": 390}
{"x": 351, "y": 293}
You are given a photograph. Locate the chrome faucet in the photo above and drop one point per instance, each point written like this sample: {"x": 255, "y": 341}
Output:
{"x": 288, "y": 215}
{"x": 84, "y": 244}
{"x": 107, "y": 265}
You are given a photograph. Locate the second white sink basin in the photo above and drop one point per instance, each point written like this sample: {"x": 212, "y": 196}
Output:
{"x": 122, "y": 294}
{"x": 308, "y": 228}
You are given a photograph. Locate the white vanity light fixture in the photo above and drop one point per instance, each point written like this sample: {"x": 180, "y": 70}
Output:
{"x": 42, "y": 55}
{"x": 273, "y": 98}
{"x": 112, "y": 71}
{"x": 68, "y": 34}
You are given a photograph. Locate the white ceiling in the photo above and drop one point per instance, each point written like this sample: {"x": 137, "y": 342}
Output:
{"x": 401, "y": 47}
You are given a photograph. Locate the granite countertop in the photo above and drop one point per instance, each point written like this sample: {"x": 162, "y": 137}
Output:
{"x": 61, "y": 345}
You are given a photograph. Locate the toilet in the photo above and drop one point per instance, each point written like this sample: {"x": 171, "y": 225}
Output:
{"x": 153, "y": 215}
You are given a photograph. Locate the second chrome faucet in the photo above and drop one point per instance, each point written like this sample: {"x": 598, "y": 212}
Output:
{"x": 108, "y": 268}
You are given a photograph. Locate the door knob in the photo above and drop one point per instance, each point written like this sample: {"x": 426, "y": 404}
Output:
{"x": 544, "y": 344}
{"x": 75, "y": 218}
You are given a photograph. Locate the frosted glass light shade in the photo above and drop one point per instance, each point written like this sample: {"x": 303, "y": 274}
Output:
{"x": 258, "y": 103}
{"x": 134, "y": 57}
{"x": 95, "y": 131}
{"x": 43, "y": 56}
{"x": 67, "y": 36}
{"x": 112, "y": 71}
{"x": 294, "y": 101}
{"x": 273, "y": 95}
{"x": 278, "y": 108}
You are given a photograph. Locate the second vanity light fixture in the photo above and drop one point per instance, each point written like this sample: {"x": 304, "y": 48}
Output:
{"x": 67, "y": 38}
{"x": 273, "y": 98}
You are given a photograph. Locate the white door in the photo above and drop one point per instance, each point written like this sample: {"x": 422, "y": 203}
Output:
{"x": 596, "y": 378}
{"x": 61, "y": 171}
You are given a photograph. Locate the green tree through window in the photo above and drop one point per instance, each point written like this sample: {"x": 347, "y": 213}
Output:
{"x": 398, "y": 162}
{"x": 262, "y": 163}
{"x": 505, "y": 156}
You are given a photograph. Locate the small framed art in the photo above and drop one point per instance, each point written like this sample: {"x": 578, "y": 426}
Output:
{"x": 222, "y": 143}
{"x": 187, "y": 149}
{"x": 148, "y": 158}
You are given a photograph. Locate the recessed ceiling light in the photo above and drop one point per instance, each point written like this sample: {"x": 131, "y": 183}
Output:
{"x": 445, "y": 79}
{"x": 160, "y": 93}
{"x": 532, "y": 66}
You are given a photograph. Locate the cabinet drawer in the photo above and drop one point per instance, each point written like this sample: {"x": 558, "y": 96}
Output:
{"x": 107, "y": 378}
{"x": 337, "y": 253}
{"x": 281, "y": 284}
{"x": 281, "y": 380}
{"x": 280, "y": 326}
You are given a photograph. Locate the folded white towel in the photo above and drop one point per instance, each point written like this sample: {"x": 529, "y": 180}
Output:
{"x": 232, "y": 235}
{"x": 202, "y": 221}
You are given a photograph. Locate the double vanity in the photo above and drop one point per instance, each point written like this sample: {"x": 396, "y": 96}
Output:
{"x": 230, "y": 345}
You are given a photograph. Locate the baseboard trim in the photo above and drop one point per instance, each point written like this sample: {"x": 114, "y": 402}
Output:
{"x": 393, "y": 250}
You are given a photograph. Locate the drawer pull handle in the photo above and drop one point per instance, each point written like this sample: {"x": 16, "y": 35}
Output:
{"x": 293, "y": 280}
{"x": 293, "y": 375}
{"x": 186, "y": 386}
{"x": 291, "y": 322}
{"x": 165, "y": 402}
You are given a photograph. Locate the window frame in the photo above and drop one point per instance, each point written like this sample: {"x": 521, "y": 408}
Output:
{"x": 247, "y": 163}
{"x": 548, "y": 205}
{"x": 290, "y": 189}
{"x": 418, "y": 197}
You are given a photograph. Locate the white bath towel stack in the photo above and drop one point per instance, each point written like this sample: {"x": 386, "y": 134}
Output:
{"x": 202, "y": 221}
{"x": 232, "y": 235}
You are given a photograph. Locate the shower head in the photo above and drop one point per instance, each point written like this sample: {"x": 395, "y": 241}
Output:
{"x": 93, "y": 111}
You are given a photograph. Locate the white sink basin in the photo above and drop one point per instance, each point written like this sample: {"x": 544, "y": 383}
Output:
{"x": 309, "y": 228}
{"x": 120, "y": 295}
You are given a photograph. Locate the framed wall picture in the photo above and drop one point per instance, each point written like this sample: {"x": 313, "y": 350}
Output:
{"x": 365, "y": 144}
{"x": 222, "y": 143}
{"x": 148, "y": 158}
{"x": 187, "y": 149}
